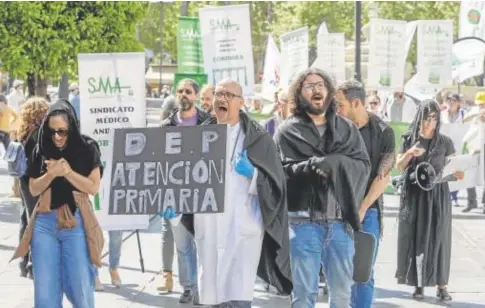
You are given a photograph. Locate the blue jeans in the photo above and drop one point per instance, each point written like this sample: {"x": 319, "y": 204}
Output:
{"x": 312, "y": 245}
{"x": 186, "y": 254}
{"x": 362, "y": 293}
{"x": 61, "y": 264}
{"x": 114, "y": 252}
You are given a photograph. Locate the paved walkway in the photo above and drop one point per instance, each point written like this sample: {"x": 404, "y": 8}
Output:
{"x": 467, "y": 284}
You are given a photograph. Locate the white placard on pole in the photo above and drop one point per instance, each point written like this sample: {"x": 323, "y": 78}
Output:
{"x": 386, "y": 55}
{"x": 331, "y": 55}
{"x": 112, "y": 92}
{"x": 435, "y": 41}
{"x": 294, "y": 55}
{"x": 227, "y": 45}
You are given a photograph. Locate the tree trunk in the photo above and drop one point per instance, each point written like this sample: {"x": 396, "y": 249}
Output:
{"x": 184, "y": 8}
{"x": 64, "y": 86}
{"x": 41, "y": 87}
{"x": 30, "y": 84}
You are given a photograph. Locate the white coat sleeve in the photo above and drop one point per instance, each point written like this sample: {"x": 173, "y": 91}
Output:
{"x": 253, "y": 188}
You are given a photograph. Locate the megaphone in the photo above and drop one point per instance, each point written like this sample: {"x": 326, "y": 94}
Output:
{"x": 424, "y": 176}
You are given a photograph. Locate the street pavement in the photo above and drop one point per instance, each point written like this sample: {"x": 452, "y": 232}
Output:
{"x": 467, "y": 282}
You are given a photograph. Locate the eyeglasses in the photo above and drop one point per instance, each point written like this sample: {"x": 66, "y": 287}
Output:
{"x": 225, "y": 95}
{"x": 374, "y": 103}
{"x": 60, "y": 132}
{"x": 187, "y": 91}
{"x": 317, "y": 85}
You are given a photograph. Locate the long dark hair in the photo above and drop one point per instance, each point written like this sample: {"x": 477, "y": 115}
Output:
{"x": 424, "y": 109}
{"x": 294, "y": 102}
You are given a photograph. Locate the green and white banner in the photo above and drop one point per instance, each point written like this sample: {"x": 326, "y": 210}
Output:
{"x": 435, "y": 41}
{"x": 227, "y": 45}
{"x": 112, "y": 89}
{"x": 190, "y": 59}
{"x": 386, "y": 55}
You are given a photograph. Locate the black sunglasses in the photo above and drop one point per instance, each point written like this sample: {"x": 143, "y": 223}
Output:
{"x": 60, "y": 132}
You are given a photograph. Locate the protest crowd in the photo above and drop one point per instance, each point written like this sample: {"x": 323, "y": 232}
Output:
{"x": 285, "y": 184}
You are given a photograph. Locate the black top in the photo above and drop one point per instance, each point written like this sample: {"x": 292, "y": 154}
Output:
{"x": 340, "y": 154}
{"x": 82, "y": 153}
{"x": 380, "y": 144}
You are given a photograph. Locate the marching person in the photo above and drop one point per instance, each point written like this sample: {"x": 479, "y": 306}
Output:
{"x": 185, "y": 114}
{"x": 326, "y": 164}
{"x": 424, "y": 234}
{"x": 251, "y": 236}
{"x": 379, "y": 140}
{"x": 64, "y": 169}
{"x": 281, "y": 113}
{"x": 206, "y": 98}
{"x": 31, "y": 115}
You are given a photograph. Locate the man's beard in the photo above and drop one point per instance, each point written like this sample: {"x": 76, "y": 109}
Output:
{"x": 184, "y": 104}
{"x": 309, "y": 108}
{"x": 207, "y": 108}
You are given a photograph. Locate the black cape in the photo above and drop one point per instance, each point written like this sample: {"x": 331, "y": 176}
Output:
{"x": 274, "y": 264}
{"x": 346, "y": 160}
{"x": 424, "y": 232}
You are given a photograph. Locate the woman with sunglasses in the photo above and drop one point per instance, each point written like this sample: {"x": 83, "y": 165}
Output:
{"x": 64, "y": 235}
{"x": 424, "y": 235}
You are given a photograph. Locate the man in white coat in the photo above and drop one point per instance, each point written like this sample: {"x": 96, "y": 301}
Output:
{"x": 230, "y": 244}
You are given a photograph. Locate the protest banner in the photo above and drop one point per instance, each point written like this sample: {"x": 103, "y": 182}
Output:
{"x": 435, "y": 41}
{"x": 112, "y": 93}
{"x": 471, "y": 22}
{"x": 159, "y": 167}
{"x": 189, "y": 46}
{"x": 294, "y": 51}
{"x": 227, "y": 45}
{"x": 386, "y": 55}
{"x": 331, "y": 55}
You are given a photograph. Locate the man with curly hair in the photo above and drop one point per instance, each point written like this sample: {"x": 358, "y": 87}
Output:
{"x": 325, "y": 162}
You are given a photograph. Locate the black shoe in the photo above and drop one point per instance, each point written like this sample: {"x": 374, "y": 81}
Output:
{"x": 24, "y": 272}
{"x": 186, "y": 297}
{"x": 443, "y": 295}
{"x": 418, "y": 294}
{"x": 468, "y": 209}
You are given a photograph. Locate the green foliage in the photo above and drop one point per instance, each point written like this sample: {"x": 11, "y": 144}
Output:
{"x": 45, "y": 37}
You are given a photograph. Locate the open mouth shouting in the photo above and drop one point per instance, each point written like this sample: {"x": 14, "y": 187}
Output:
{"x": 317, "y": 99}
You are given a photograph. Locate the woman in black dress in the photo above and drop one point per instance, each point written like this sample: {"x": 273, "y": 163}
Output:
{"x": 424, "y": 236}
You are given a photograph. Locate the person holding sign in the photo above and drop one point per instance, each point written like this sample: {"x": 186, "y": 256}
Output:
{"x": 185, "y": 114}
{"x": 424, "y": 235}
{"x": 64, "y": 235}
{"x": 379, "y": 140}
{"x": 327, "y": 168}
{"x": 251, "y": 236}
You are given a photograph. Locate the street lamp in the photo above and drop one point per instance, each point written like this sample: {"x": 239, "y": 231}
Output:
{"x": 358, "y": 26}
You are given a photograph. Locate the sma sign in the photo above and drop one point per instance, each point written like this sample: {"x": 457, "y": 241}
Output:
{"x": 106, "y": 86}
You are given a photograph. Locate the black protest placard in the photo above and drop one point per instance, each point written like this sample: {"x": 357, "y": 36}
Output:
{"x": 179, "y": 167}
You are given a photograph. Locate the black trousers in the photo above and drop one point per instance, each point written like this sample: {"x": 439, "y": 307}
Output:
{"x": 28, "y": 204}
{"x": 472, "y": 197}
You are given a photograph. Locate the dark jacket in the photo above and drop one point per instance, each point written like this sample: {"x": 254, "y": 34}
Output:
{"x": 274, "y": 264}
{"x": 382, "y": 143}
{"x": 172, "y": 121}
{"x": 341, "y": 154}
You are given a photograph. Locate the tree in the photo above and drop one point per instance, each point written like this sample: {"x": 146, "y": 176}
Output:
{"x": 43, "y": 39}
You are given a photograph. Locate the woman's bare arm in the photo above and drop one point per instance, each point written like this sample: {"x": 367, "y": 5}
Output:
{"x": 89, "y": 184}
{"x": 40, "y": 184}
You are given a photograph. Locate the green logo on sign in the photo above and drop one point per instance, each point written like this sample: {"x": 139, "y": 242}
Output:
{"x": 223, "y": 25}
{"x": 106, "y": 86}
{"x": 474, "y": 16}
